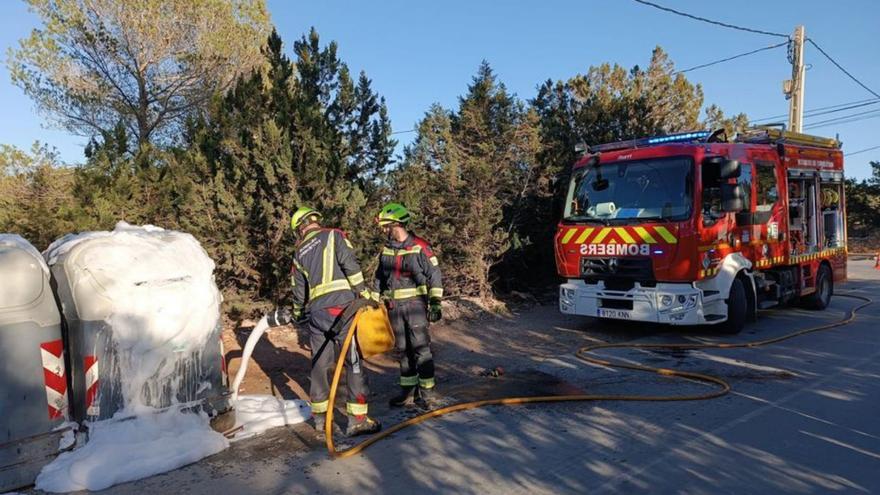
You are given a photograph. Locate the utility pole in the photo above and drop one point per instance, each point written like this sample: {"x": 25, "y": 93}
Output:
{"x": 794, "y": 87}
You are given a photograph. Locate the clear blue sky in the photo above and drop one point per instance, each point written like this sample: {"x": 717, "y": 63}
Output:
{"x": 418, "y": 53}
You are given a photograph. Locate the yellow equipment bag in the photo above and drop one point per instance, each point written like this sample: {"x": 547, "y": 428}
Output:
{"x": 373, "y": 331}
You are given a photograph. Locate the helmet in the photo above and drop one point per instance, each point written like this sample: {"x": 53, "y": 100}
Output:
{"x": 301, "y": 214}
{"x": 392, "y": 213}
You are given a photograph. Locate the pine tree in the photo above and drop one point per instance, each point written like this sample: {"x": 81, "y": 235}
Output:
{"x": 296, "y": 133}
{"x": 464, "y": 177}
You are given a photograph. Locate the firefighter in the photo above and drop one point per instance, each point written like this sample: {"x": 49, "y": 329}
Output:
{"x": 327, "y": 278}
{"x": 409, "y": 281}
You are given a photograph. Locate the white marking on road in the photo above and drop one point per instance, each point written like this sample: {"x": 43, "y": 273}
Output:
{"x": 742, "y": 364}
{"x": 842, "y": 444}
{"x": 803, "y": 414}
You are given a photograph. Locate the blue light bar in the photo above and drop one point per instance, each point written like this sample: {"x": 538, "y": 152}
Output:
{"x": 688, "y": 136}
{"x": 636, "y": 143}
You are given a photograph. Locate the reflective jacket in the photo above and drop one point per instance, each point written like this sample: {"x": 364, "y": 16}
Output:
{"x": 409, "y": 269}
{"x": 325, "y": 271}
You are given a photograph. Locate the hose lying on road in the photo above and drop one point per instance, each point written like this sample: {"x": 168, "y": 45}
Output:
{"x": 583, "y": 354}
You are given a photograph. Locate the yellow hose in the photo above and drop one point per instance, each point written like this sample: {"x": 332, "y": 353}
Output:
{"x": 723, "y": 386}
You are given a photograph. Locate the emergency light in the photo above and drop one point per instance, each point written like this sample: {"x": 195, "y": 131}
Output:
{"x": 688, "y": 136}
{"x": 648, "y": 141}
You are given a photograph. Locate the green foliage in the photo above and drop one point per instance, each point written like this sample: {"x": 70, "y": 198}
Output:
{"x": 279, "y": 139}
{"x": 463, "y": 178}
{"x": 863, "y": 203}
{"x": 715, "y": 119}
{"x": 35, "y": 194}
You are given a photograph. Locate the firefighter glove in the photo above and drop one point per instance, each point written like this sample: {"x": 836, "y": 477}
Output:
{"x": 371, "y": 297}
{"x": 279, "y": 317}
{"x": 435, "y": 311}
{"x": 300, "y": 316}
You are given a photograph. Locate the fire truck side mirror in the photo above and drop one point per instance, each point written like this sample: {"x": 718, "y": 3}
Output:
{"x": 732, "y": 198}
{"x": 729, "y": 169}
{"x": 719, "y": 169}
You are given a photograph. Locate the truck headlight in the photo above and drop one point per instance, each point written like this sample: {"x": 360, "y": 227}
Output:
{"x": 683, "y": 303}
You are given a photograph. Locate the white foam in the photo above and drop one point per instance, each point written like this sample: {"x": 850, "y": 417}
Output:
{"x": 165, "y": 303}
{"x": 163, "y": 307}
{"x": 255, "y": 414}
{"x": 252, "y": 340}
{"x": 128, "y": 450}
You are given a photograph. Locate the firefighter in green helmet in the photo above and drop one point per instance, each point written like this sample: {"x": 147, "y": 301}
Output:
{"x": 326, "y": 279}
{"x": 409, "y": 281}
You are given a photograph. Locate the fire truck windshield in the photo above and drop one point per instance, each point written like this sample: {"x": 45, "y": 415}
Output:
{"x": 631, "y": 191}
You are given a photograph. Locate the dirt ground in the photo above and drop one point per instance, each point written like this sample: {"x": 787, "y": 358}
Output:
{"x": 868, "y": 244}
{"x": 280, "y": 362}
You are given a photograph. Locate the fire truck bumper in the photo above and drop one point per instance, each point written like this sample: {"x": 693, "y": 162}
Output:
{"x": 675, "y": 304}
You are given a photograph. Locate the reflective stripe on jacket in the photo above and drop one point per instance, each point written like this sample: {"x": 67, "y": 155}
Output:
{"x": 409, "y": 269}
{"x": 324, "y": 263}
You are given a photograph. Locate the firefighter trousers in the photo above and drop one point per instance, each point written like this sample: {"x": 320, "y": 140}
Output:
{"x": 410, "y": 322}
{"x": 324, "y": 355}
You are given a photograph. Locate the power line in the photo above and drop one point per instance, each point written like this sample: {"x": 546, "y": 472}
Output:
{"x": 872, "y": 148}
{"x": 823, "y": 52}
{"x": 404, "y": 132}
{"x": 816, "y": 111}
{"x": 826, "y": 112}
{"x": 709, "y": 64}
{"x": 844, "y": 117}
{"x": 710, "y": 21}
{"x": 844, "y": 121}
{"x": 859, "y": 119}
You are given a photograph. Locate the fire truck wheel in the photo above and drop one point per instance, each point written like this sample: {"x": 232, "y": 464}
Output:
{"x": 824, "y": 290}
{"x": 737, "y": 309}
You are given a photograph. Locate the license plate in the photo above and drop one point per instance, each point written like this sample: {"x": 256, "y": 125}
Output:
{"x": 620, "y": 314}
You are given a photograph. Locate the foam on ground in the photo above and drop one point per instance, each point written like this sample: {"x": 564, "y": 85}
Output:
{"x": 131, "y": 449}
{"x": 255, "y": 414}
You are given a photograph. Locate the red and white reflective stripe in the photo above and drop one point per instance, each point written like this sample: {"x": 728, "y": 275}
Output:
{"x": 52, "y": 354}
{"x": 90, "y": 364}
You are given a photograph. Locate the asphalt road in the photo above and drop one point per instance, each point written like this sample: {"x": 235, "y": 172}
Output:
{"x": 803, "y": 417}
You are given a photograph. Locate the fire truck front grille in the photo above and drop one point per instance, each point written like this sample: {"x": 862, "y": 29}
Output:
{"x": 618, "y": 268}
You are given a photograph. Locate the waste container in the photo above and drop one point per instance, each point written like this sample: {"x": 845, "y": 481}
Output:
{"x": 33, "y": 383}
{"x": 143, "y": 320}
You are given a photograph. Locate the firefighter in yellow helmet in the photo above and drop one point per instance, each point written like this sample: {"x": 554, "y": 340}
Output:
{"x": 409, "y": 280}
{"x": 326, "y": 280}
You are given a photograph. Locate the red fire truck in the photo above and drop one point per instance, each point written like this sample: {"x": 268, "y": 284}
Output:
{"x": 694, "y": 229}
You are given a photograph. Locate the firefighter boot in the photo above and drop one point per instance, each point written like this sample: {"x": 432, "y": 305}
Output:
{"x": 406, "y": 397}
{"x": 429, "y": 398}
{"x": 320, "y": 423}
{"x": 363, "y": 426}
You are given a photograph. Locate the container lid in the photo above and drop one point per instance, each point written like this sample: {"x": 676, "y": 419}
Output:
{"x": 22, "y": 273}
